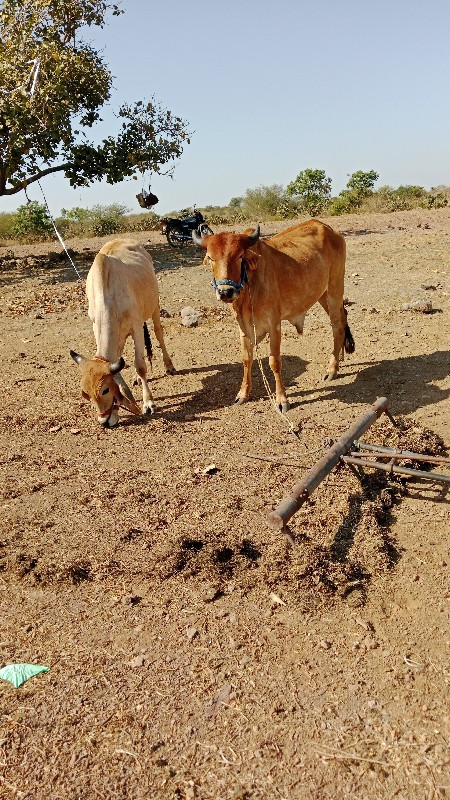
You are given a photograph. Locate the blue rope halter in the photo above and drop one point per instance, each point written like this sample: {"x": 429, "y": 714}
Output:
{"x": 237, "y": 286}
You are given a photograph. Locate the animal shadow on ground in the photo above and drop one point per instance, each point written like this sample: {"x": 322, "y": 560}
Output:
{"x": 220, "y": 386}
{"x": 408, "y": 383}
{"x": 222, "y": 382}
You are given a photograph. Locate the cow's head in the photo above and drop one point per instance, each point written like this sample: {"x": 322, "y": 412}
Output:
{"x": 228, "y": 255}
{"x": 102, "y": 384}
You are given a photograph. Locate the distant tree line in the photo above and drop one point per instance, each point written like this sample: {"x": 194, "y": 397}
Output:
{"x": 309, "y": 194}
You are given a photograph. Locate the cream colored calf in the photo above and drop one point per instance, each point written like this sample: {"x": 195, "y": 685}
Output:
{"x": 122, "y": 291}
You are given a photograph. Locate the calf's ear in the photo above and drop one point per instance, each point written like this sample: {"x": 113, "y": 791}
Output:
{"x": 250, "y": 259}
{"x": 76, "y": 357}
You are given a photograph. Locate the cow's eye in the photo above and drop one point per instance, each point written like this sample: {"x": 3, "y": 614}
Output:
{"x": 105, "y": 391}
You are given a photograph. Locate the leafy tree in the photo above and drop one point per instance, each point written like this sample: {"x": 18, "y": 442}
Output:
{"x": 361, "y": 183}
{"x": 32, "y": 220}
{"x": 235, "y": 202}
{"x": 313, "y": 188}
{"x": 49, "y": 129}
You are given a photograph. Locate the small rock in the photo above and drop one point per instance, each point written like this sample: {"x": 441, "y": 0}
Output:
{"x": 191, "y": 633}
{"x": 137, "y": 662}
{"x": 164, "y": 313}
{"x": 55, "y": 428}
{"x": 190, "y": 317}
{"x": 38, "y": 316}
{"x": 355, "y": 274}
{"x": 211, "y": 469}
{"x": 75, "y": 431}
{"x": 324, "y": 644}
{"x": 423, "y": 306}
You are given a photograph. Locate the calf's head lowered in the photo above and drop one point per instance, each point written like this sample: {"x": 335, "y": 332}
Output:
{"x": 104, "y": 386}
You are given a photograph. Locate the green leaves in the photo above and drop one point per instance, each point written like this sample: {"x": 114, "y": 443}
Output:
{"x": 47, "y": 132}
{"x": 313, "y": 188}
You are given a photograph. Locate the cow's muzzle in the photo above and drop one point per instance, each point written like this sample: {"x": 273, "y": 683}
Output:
{"x": 233, "y": 289}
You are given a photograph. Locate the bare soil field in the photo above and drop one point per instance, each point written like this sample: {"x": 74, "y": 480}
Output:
{"x": 193, "y": 652}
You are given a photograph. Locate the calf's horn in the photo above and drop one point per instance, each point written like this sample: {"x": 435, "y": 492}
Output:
{"x": 253, "y": 237}
{"x": 76, "y": 357}
{"x": 117, "y": 366}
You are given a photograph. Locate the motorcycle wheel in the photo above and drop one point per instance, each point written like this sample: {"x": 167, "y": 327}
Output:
{"x": 205, "y": 230}
{"x": 174, "y": 238}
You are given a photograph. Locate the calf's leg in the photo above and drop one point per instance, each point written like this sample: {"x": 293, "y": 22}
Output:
{"x": 169, "y": 367}
{"x": 148, "y": 406}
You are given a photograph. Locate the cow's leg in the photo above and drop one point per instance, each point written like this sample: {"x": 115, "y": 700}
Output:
{"x": 247, "y": 361}
{"x": 275, "y": 366}
{"x": 169, "y": 367}
{"x": 334, "y": 307}
{"x": 148, "y": 406}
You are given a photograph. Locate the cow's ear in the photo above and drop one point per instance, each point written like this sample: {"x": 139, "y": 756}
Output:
{"x": 250, "y": 259}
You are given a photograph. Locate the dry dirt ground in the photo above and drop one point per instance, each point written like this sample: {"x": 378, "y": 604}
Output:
{"x": 193, "y": 652}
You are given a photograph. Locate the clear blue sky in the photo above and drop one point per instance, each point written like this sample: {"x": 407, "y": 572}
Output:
{"x": 271, "y": 88}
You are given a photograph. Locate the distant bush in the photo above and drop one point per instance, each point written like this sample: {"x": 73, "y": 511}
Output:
{"x": 403, "y": 198}
{"x": 265, "y": 202}
{"x": 438, "y": 200}
{"x": 32, "y": 222}
{"x": 108, "y": 219}
{"x": 7, "y": 223}
{"x": 97, "y": 221}
{"x": 359, "y": 186}
{"x": 148, "y": 221}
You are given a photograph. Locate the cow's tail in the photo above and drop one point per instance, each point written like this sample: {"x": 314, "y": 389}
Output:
{"x": 349, "y": 342}
{"x": 148, "y": 343}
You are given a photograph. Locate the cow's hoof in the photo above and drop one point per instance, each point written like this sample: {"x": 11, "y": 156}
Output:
{"x": 239, "y": 400}
{"x": 283, "y": 407}
{"x": 330, "y": 376}
{"x": 148, "y": 408}
{"x": 170, "y": 370}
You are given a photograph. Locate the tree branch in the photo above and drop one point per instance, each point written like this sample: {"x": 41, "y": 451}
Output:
{"x": 37, "y": 177}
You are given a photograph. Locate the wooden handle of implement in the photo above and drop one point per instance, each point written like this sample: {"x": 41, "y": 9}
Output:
{"x": 304, "y": 489}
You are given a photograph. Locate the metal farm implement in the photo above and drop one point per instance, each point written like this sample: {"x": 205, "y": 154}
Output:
{"x": 357, "y": 455}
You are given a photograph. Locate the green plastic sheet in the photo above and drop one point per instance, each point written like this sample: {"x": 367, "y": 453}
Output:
{"x": 17, "y": 674}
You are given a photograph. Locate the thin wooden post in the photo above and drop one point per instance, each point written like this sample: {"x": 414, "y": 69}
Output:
{"x": 304, "y": 489}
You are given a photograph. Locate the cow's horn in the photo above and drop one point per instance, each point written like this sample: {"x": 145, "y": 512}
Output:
{"x": 197, "y": 239}
{"x": 117, "y": 366}
{"x": 125, "y": 388}
{"x": 253, "y": 237}
{"x": 76, "y": 357}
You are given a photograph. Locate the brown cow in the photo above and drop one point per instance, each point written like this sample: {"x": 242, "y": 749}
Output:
{"x": 281, "y": 278}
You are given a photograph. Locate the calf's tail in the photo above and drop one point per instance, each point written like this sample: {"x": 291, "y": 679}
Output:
{"x": 148, "y": 343}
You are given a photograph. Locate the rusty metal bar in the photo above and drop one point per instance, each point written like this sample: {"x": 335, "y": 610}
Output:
{"x": 390, "y": 467}
{"x": 398, "y": 455}
{"x": 304, "y": 489}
